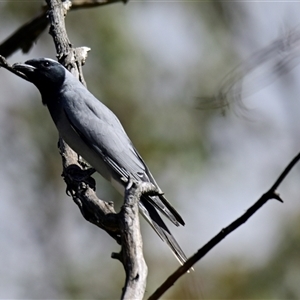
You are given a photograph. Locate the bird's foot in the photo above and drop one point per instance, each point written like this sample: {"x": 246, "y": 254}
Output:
{"x": 74, "y": 176}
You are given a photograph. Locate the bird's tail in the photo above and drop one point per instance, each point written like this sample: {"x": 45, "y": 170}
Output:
{"x": 154, "y": 219}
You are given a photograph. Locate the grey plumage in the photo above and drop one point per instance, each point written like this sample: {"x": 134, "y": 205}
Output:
{"x": 94, "y": 132}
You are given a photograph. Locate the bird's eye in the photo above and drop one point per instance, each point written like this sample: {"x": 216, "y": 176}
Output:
{"x": 46, "y": 64}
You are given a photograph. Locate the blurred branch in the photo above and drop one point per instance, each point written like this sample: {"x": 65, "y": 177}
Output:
{"x": 270, "y": 194}
{"x": 24, "y": 37}
{"x": 275, "y": 60}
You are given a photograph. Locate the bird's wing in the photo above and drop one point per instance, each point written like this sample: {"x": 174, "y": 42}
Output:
{"x": 102, "y": 131}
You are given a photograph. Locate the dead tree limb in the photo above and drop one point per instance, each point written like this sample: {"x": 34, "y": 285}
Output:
{"x": 270, "y": 194}
{"x": 131, "y": 254}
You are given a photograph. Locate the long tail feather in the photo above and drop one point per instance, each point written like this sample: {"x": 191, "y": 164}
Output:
{"x": 154, "y": 219}
{"x": 164, "y": 206}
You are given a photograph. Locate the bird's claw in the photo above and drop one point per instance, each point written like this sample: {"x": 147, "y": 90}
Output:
{"x": 74, "y": 176}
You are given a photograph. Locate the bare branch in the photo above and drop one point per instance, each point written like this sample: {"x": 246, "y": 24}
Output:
{"x": 132, "y": 245}
{"x": 270, "y": 194}
{"x": 285, "y": 173}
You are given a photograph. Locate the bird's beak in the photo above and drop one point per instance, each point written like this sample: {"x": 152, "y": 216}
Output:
{"x": 24, "y": 68}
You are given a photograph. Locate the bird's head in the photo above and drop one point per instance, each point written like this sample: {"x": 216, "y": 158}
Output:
{"x": 45, "y": 73}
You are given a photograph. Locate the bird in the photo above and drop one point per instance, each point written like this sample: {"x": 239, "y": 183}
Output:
{"x": 93, "y": 131}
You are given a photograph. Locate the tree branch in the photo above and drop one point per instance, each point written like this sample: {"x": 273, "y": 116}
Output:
{"x": 131, "y": 254}
{"x": 270, "y": 194}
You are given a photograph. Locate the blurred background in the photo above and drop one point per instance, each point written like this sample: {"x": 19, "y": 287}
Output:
{"x": 154, "y": 63}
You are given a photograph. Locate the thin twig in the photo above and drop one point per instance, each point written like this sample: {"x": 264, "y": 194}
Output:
{"x": 270, "y": 194}
{"x": 285, "y": 172}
